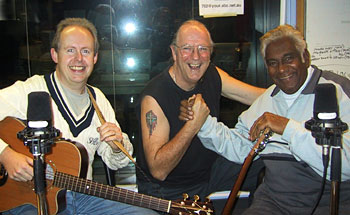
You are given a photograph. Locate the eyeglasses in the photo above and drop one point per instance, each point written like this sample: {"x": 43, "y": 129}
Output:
{"x": 188, "y": 50}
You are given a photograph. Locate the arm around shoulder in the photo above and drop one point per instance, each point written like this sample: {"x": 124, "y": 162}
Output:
{"x": 238, "y": 90}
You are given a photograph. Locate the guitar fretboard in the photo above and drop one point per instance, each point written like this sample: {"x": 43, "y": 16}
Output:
{"x": 92, "y": 188}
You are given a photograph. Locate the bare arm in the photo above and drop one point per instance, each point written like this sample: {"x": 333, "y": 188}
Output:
{"x": 237, "y": 90}
{"x": 162, "y": 154}
{"x": 18, "y": 166}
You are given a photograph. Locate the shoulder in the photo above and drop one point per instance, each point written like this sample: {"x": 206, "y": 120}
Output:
{"x": 97, "y": 91}
{"x": 100, "y": 96}
{"x": 34, "y": 80}
{"x": 213, "y": 75}
{"x": 267, "y": 95}
{"x": 157, "y": 81}
{"x": 34, "y": 83}
{"x": 158, "y": 86}
{"x": 214, "y": 70}
{"x": 339, "y": 80}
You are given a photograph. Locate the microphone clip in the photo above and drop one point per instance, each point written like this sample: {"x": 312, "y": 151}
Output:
{"x": 39, "y": 140}
{"x": 326, "y": 132}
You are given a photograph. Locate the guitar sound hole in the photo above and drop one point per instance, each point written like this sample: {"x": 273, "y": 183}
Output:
{"x": 50, "y": 173}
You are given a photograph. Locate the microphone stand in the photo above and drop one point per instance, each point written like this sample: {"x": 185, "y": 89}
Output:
{"x": 328, "y": 134}
{"x": 39, "y": 179}
{"x": 335, "y": 175}
{"x": 39, "y": 142}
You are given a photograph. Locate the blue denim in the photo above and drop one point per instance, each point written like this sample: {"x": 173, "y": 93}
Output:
{"x": 81, "y": 204}
{"x": 22, "y": 210}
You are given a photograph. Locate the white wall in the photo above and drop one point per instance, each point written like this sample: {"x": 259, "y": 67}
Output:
{"x": 328, "y": 34}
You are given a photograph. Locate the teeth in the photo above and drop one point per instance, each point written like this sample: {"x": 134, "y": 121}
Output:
{"x": 194, "y": 65}
{"x": 286, "y": 77}
{"x": 77, "y": 67}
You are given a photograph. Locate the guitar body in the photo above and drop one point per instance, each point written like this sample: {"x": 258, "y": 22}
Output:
{"x": 65, "y": 157}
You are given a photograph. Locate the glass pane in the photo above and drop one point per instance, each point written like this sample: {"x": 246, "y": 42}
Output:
{"x": 134, "y": 38}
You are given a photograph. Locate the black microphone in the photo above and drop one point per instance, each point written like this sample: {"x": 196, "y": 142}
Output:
{"x": 39, "y": 114}
{"x": 39, "y": 133}
{"x": 325, "y": 123}
{"x": 325, "y": 104}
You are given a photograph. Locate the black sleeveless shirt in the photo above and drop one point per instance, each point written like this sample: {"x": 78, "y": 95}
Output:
{"x": 196, "y": 163}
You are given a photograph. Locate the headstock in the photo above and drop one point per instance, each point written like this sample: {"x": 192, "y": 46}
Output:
{"x": 186, "y": 206}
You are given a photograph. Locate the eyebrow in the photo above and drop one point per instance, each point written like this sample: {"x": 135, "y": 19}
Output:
{"x": 285, "y": 55}
{"x": 288, "y": 54}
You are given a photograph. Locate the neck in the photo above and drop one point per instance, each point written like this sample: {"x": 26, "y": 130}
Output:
{"x": 176, "y": 76}
{"x": 76, "y": 88}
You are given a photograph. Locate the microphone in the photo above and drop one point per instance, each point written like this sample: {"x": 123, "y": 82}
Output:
{"x": 325, "y": 104}
{"x": 39, "y": 133}
{"x": 325, "y": 123}
{"x": 39, "y": 113}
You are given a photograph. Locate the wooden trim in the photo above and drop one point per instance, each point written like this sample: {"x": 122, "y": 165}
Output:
{"x": 300, "y": 25}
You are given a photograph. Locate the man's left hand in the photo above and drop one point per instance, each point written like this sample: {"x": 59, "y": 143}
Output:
{"x": 186, "y": 112}
{"x": 276, "y": 123}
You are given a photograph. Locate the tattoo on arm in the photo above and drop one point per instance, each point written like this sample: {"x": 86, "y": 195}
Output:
{"x": 151, "y": 121}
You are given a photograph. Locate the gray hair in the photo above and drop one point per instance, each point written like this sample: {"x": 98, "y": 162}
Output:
{"x": 81, "y": 22}
{"x": 281, "y": 32}
{"x": 191, "y": 22}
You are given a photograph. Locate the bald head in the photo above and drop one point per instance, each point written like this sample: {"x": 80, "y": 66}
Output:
{"x": 191, "y": 25}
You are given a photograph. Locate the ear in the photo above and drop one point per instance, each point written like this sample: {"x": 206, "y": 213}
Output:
{"x": 173, "y": 52}
{"x": 95, "y": 58}
{"x": 307, "y": 58}
{"x": 54, "y": 55}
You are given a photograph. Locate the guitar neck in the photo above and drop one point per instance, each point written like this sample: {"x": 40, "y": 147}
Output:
{"x": 92, "y": 188}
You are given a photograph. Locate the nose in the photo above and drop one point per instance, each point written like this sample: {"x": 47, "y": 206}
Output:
{"x": 282, "y": 67}
{"x": 79, "y": 56}
{"x": 195, "y": 53}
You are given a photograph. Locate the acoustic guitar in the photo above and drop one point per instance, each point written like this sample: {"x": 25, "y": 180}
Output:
{"x": 66, "y": 168}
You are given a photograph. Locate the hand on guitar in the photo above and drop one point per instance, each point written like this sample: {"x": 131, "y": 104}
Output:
{"x": 276, "y": 123}
{"x": 110, "y": 132}
{"x": 19, "y": 167}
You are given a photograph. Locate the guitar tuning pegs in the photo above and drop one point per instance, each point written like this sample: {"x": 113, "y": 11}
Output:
{"x": 196, "y": 198}
{"x": 185, "y": 196}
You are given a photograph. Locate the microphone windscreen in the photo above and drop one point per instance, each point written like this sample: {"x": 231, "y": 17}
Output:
{"x": 39, "y": 107}
{"x": 325, "y": 100}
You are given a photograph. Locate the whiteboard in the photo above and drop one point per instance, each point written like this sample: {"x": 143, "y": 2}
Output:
{"x": 327, "y": 33}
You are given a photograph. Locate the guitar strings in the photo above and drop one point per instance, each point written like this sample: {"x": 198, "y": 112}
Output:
{"x": 66, "y": 181}
{"x": 107, "y": 191}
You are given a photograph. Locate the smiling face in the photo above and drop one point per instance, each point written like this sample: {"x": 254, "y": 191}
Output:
{"x": 191, "y": 55}
{"x": 285, "y": 65}
{"x": 75, "y": 57}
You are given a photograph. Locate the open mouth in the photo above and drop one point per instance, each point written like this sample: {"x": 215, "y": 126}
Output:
{"x": 194, "y": 66}
{"x": 77, "y": 68}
